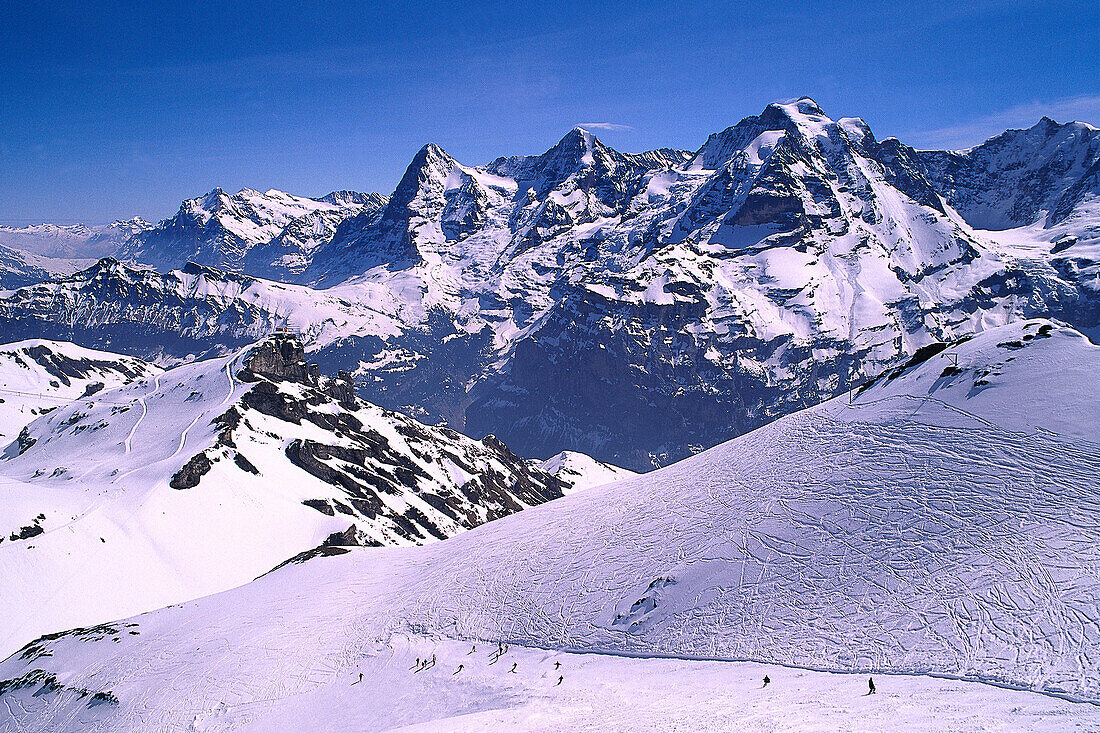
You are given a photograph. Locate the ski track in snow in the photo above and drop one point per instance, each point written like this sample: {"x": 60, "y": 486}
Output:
{"x": 760, "y": 581}
{"x": 144, "y": 410}
{"x": 226, "y": 401}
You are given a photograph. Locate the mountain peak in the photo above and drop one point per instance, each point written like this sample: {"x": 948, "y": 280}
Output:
{"x": 757, "y": 135}
{"x": 801, "y": 107}
{"x": 578, "y": 144}
{"x": 214, "y": 198}
{"x": 803, "y": 115}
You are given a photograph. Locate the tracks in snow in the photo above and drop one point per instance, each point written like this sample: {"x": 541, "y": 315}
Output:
{"x": 144, "y": 410}
{"x": 228, "y": 398}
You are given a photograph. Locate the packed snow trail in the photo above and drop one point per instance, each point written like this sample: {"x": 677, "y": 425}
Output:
{"x": 144, "y": 410}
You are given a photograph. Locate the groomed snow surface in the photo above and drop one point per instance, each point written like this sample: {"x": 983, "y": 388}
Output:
{"x": 943, "y": 523}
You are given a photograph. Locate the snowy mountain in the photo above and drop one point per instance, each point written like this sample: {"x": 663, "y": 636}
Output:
{"x": 1039, "y": 189}
{"x": 202, "y": 477}
{"x": 37, "y": 377}
{"x": 35, "y": 253}
{"x": 1018, "y": 177}
{"x": 197, "y": 310}
{"x": 72, "y": 241}
{"x": 19, "y": 269}
{"x": 583, "y": 472}
{"x": 272, "y": 234}
{"x": 636, "y": 307}
{"x": 943, "y": 521}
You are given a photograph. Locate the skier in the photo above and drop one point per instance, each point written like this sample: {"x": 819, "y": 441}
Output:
{"x": 870, "y": 685}
{"x": 513, "y": 669}
{"x": 560, "y": 678}
{"x": 360, "y": 679}
{"x": 767, "y": 679}
{"x": 416, "y": 663}
{"x": 457, "y": 670}
{"x": 472, "y": 650}
{"x": 557, "y": 665}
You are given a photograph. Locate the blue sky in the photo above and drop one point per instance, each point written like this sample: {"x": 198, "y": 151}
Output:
{"x": 127, "y": 108}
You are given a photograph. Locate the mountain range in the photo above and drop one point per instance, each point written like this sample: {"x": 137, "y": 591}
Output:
{"x": 635, "y": 307}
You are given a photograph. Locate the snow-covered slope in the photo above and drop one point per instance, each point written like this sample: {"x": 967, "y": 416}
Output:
{"x": 582, "y": 471}
{"x": 272, "y": 234}
{"x": 636, "y": 307}
{"x": 946, "y": 520}
{"x": 205, "y": 476}
{"x": 39, "y": 376}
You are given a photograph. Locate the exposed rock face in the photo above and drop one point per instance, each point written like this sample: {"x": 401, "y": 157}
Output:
{"x": 188, "y": 476}
{"x": 375, "y": 461}
{"x": 281, "y": 357}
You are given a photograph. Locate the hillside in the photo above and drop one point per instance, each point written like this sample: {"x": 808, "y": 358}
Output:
{"x": 38, "y": 376}
{"x": 200, "y": 478}
{"x": 943, "y": 521}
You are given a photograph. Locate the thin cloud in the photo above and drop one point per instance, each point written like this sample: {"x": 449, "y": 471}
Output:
{"x": 1070, "y": 109}
{"x": 605, "y": 126}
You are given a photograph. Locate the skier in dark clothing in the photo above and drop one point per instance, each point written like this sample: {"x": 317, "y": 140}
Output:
{"x": 360, "y": 679}
{"x": 767, "y": 679}
{"x": 472, "y": 650}
{"x": 870, "y": 685}
{"x": 513, "y": 669}
{"x": 457, "y": 670}
{"x": 560, "y": 679}
{"x": 557, "y": 665}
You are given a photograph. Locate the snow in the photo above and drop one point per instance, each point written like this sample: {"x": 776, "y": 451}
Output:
{"x": 39, "y": 375}
{"x": 920, "y": 529}
{"x": 583, "y": 471}
{"x": 760, "y": 149}
{"x": 119, "y": 540}
{"x": 602, "y": 692}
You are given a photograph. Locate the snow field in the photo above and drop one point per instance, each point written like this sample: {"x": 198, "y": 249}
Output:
{"x": 924, "y": 529}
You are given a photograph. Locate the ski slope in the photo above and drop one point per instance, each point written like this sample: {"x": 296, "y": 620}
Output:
{"x": 38, "y": 375}
{"x": 945, "y": 522}
{"x": 195, "y": 480}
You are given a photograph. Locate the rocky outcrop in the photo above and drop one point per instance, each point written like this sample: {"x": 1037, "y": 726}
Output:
{"x": 281, "y": 356}
{"x": 188, "y": 476}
